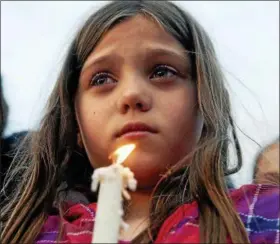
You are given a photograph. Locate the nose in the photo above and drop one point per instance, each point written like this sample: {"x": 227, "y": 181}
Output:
{"x": 134, "y": 97}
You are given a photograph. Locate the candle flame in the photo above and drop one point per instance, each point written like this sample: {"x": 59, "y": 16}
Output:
{"x": 122, "y": 153}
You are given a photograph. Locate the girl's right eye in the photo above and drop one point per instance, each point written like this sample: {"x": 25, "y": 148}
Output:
{"x": 101, "y": 79}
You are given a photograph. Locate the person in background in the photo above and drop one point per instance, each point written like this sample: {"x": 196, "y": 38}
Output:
{"x": 3, "y": 110}
{"x": 266, "y": 169}
{"x": 8, "y": 144}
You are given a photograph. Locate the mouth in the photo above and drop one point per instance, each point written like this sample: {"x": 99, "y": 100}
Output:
{"x": 135, "y": 130}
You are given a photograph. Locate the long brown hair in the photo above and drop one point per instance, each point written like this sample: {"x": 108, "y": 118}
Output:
{"x": 51, "y": 161}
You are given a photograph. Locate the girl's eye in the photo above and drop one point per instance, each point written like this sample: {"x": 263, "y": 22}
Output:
{"x": 163, "y": 71}
{"x": 101, "y": 79}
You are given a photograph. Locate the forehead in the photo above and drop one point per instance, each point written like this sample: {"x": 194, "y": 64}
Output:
{"x": 138, "y": 37}
{"x": 138, "y": 34}
{"x": 271, "y": 153}
{"x": 273, "y": 148}
{"x": 138, "y": 28}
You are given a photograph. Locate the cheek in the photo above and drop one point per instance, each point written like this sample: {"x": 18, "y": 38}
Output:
{"x": 181, "y": 109}
{"x": 92, "y": 124}
{"x": 89, "y": 117}
{"x": 182, "y": 120}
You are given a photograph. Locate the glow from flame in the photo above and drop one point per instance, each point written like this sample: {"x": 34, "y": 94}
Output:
{"x": 122, "y": 153}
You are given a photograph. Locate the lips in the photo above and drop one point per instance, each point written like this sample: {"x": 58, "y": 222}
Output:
{"x": 134, "y": 128}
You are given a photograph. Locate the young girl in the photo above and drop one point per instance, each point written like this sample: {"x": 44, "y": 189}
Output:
{"x": 145, "y": 73}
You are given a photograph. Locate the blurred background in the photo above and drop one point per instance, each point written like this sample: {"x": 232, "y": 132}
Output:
{"x": 35, "y": 36}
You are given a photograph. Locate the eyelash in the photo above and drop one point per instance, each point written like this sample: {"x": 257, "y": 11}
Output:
{"x": 165, "y": 68}
{"x": 98, "y": 76}
{"x": 107, "y": 75}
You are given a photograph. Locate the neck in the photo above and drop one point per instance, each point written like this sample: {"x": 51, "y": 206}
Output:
{"x": 138, "y": 206}
{"x": 136, "y": 214}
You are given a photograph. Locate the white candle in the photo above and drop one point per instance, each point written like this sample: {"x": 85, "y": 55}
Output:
{"x": 113, "y": 180}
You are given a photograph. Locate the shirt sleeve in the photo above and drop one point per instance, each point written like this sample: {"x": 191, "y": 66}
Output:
{"x": 181, "y": 226}
{"x": 258, "y": 207}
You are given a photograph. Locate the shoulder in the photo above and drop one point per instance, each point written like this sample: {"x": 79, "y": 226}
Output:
{"x": 257, "y": 205}
{"x": 13, "y": 139}
{"x": 8, "y": 146}
{"x": 77, "y": 225}
{"x": 181, "y": 226}
{"x": 11, "y": 142}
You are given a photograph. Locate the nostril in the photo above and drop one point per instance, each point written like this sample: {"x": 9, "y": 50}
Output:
{"x": 139, "y": 105}
{"x": 126, "y": 107}
{"x": 135, "y": 106}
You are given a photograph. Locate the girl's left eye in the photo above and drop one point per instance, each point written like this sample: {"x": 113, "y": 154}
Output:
{"x": 163, "y": 71}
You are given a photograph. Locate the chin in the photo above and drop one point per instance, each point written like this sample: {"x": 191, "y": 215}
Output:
{"x": 147, "y": 170}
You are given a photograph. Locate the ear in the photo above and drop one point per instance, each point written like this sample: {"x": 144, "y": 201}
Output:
{"x": 80, "y": 140}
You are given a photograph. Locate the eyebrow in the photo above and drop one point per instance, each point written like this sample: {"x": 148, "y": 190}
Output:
{"x": 149, "y": 52}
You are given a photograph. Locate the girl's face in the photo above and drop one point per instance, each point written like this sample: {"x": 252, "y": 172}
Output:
{"x": 135, "y": 87}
